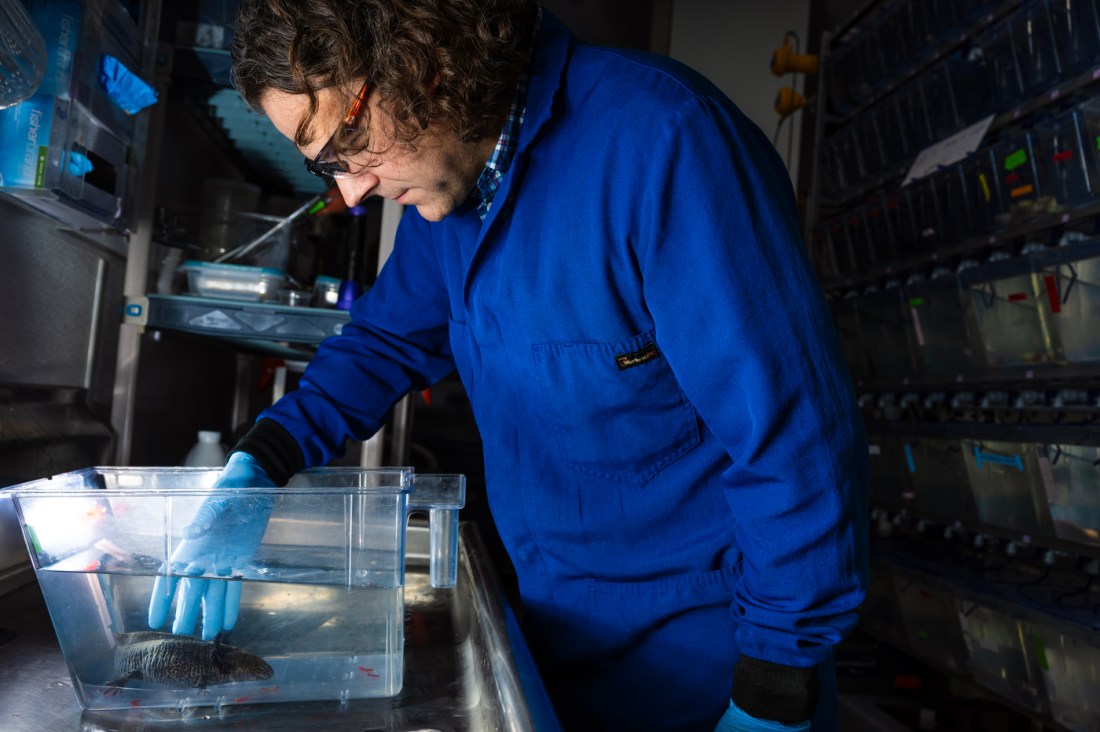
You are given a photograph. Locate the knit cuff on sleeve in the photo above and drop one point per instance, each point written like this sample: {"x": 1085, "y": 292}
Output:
{"x": 274, "y": 449}
{"x": 772, "y": 691}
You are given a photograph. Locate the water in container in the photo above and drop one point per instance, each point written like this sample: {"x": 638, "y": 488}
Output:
{"x": 1071, "y": 478}
{"x": 321, "y": 597}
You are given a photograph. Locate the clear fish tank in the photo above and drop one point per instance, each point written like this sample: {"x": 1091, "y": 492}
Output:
{"x": 321, "y": 596}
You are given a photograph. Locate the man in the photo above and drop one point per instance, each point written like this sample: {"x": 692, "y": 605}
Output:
{"x": 607, "y": 251}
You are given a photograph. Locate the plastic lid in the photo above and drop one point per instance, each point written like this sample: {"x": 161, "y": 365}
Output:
{"x": 209, "y": 436}
{"x": 196, "y": 264}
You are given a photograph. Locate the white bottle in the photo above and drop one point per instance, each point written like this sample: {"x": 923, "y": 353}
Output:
{"x": 207, "y": 452}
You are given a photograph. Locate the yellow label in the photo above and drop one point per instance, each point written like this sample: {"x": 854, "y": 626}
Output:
{"x": 985, "y": 187}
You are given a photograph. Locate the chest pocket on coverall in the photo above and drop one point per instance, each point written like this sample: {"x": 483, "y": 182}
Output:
{"x": 616, "y": 409}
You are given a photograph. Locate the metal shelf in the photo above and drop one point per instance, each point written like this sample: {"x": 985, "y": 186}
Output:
{"x": 234, "y": 320}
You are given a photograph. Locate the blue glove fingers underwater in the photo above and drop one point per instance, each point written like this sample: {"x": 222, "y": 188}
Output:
{"x": 736, "y": 720}
{"x": 223, "y": 534}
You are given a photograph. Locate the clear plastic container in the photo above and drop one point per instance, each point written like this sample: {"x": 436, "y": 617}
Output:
{"x": 879, "y": 235}
{"x": 233, "y": 281}
{"x": 1076, "y": 27}
{"x": 931, "y": 623}
{"x": 846, "y": 315}
{"x": 1005, "y": 307}
{"x": 1069, "y": 660}
{"x": 995, "y": 54}
{"x": 1071, "y": 171}
{"x": 1024, "y": 179}
{"x": 836, "y": 229}
{"x": 889, "y": 478}
{"x": 999, "y": 659}
{"x": 1007, "y": 486}
{"x": 902, "y": 223}
{"x": 925, "y": 207}
{"x": 1070, "y": 300}
{"x": 983, "y": 190}
{"x": 938, "y": 476}
{"x": 886, "y": 331}
{"x": 1071, "y": 477}
{"x": 321, "y": 600}
{"x": 957, "y": 222}
{"x": 1036, "y": 51}
{"x": 910, "y": 103}
{"x": 944, "y": 338}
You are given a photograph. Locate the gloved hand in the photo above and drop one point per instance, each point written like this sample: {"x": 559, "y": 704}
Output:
{"x": 736, "y": 720}
{"x": 224, "y": 533}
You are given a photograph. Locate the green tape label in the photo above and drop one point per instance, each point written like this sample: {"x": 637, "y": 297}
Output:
{"x": 1015, "y": 160}
{"x": 1040, "y": 653}
{"x": 916, "y": 302}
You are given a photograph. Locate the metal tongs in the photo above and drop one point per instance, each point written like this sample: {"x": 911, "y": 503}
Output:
{"x": 244, "y": 249}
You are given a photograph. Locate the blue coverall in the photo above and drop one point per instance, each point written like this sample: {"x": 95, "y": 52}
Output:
{"x": 673, "y": 454}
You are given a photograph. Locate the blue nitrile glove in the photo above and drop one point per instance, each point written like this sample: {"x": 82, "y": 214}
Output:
{"x": 224, "y": 533}
{"x": 736, "y": 720}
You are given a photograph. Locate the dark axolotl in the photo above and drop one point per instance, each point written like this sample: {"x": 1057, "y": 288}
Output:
{"x": 182, "y": 661}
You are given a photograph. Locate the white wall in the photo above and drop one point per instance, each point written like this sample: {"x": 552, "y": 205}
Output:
{"x": 731, "y": 42}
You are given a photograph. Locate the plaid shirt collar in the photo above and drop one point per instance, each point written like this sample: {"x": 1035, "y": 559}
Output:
{"x": 488, "y": 183}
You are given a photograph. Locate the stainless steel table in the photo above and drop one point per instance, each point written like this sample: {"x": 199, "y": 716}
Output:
{"x": 467, "y": 668}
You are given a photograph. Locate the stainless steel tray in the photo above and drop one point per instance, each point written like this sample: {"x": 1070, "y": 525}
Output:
{"x": 467, "y": 668}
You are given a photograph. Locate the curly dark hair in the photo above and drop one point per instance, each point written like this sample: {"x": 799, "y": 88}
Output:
{"x": 446, "y": 61}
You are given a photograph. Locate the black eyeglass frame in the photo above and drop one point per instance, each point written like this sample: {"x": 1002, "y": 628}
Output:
{"x": 335, "y": 168}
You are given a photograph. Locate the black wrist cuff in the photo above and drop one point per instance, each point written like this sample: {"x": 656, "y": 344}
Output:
{"x": 775, "y": 692}
{"x": 274, "y": 449}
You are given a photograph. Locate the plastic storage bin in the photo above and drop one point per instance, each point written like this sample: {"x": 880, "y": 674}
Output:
{"x": 886, "y": 333}
{"x": 889, "y": 478}
{"x": 902, "y": 222}
{"x": 925, "y": 208}
{"x": 1076, "y": 33}
{"x": 982, "y": 183}
{"x": 1024, "y": 180}
{"x": 880, "y": 614}
{"x": 938, "y": 89}
{"x": 931, "y": 623}
{"x": 1004, "y": 305}
{"x": 233, "y": 281}
{"x": 1071, "y": 477}
{"x": 937, "y": 473}
{"x": 836, "y": 229}
{"x": 944, "y": 338}
{"x": 321, "y": 600}
{"x": 1072, "y": 173}
{"x": 910, "y": 104}
{"x": 1070, "y": 301}
{"x": 994, "y": 53}
{"x": 999, "y": 659}
{"x": 881, "y": 238}
{"x": 1036, "y": 51}
{"x": 846, "y": 316}
{"x": 1069, "y": 661}
{"x": 1007, "y": 486}
{"x": 898, "y": 36}
{"x": 954, "y": 204}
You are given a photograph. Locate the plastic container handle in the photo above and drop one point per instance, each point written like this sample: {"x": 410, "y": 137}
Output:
{"x": 441, "y": 495}
{"x": 1012, "y": 461}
